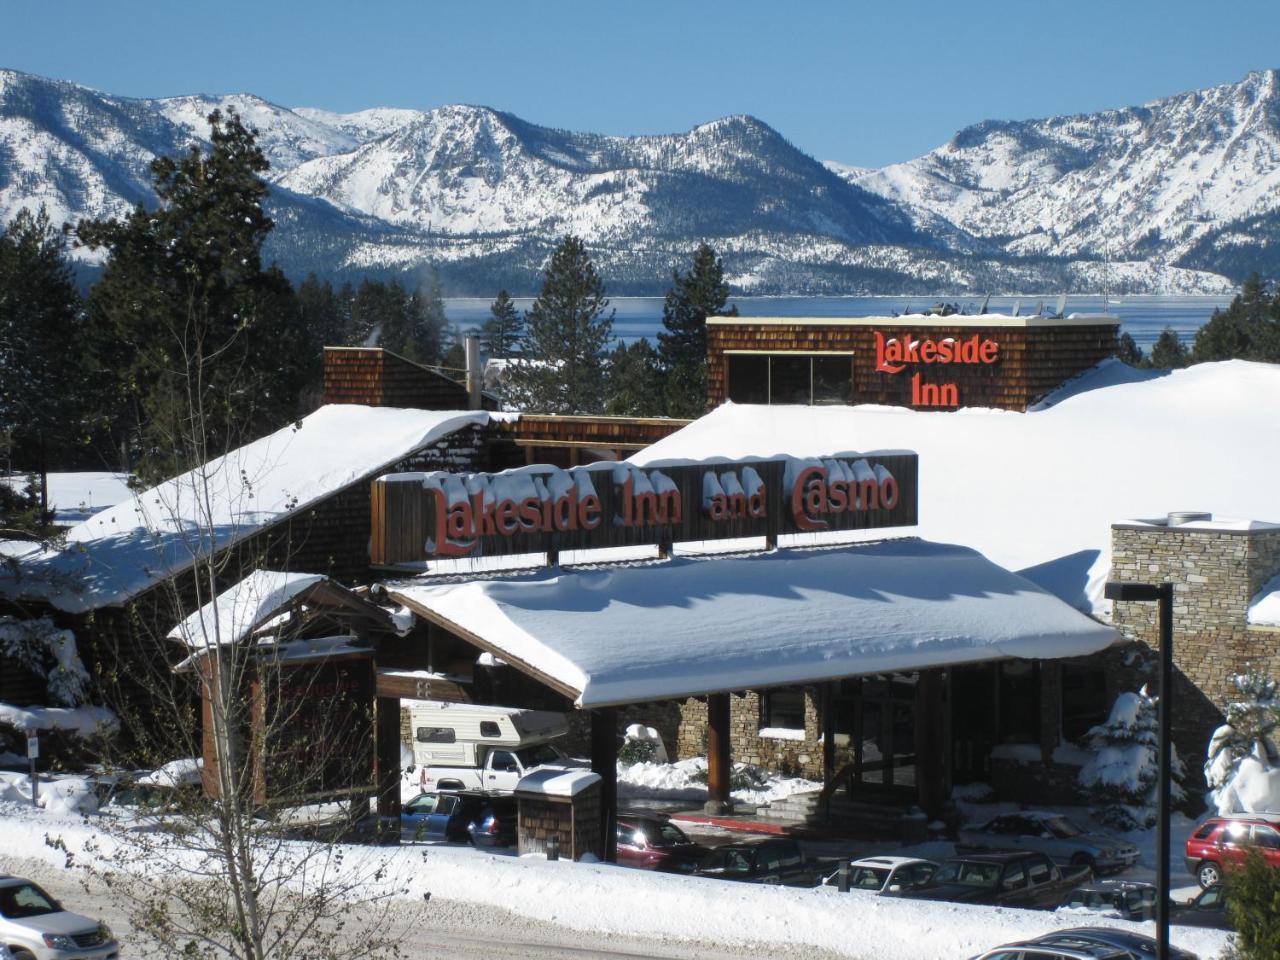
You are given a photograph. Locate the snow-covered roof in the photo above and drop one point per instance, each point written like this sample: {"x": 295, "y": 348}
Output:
{"x": 118, "y": 553}
{"x": 690, "y": 626}
{"x": 1037, "y": 492}
{"x": 556, "y": 781}
{"x": 238, "y": 610}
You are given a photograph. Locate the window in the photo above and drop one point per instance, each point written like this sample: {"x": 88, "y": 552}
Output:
{"x": 1266, "y": 838}
{"x": 627, "y": 837}
{"x": 436, "y": 735}
{"x": 801, "y": 378}
{"x": 784, "y": 709}
{"x": 489, "y": 728}
{"x": 446, "y": 805}
{"x": 1014, "y": 879}
{"x": 1039, "y": 872}
{"x": 769, "y": 859}
{"x": 501, "y": 760}
{"x": 1019, "y": 701}
{"x": 1084, "y": 700}
{"x": 422, "y": 805}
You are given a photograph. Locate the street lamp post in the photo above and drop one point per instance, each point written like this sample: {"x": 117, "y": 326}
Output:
{"x": 1161, "y": 593}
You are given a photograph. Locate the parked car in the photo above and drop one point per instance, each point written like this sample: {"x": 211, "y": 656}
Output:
{"x": 34, "y": 926}
{"x": 1134, "y": 946}
{"x": 655, "y": 843}
{"x": 1208, "y": 908}
{"x": 1059, "y": 837}
{"x": 1126, "y": 899}
{"x": 886, "y": 874}
{"x": 496, "y": 824}
{"x": 1005, "y": 878}
{"x": 440, "y": 816}
{"x": 1025, "y": 950}
{"x": 774, "y": 861}
{"x": 1222, "y": 842}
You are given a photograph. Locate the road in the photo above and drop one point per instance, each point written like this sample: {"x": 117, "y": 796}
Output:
{"x": 433, "y": 930}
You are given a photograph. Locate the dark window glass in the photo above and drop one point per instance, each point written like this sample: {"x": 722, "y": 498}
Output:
{"x": 1014, "y": 879}
{"x": 748, "y": 378}
{"x": 1207, "y": 829}
{"x": 25, "y": 900}
{"x": 503, "y": 761}
{"x": 436, "y": 735}
{"x": 1019, "y": 702}
{"x": 1084, "y": 700}
{"x": 832, "y": 379}
{"x": 784, "y": 708}
{"x": 789, "y": 379}
{"x": 489, "y": 728}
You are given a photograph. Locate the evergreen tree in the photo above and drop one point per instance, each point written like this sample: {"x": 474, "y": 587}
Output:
{"x": 1249, "y": 329}
{"x": 322, "y": 312}
{"x": 1122, "y": 776}
{"x": 427, "y": 321}
{"x": 1253, "y": 908}
{"x": 562, "y": 369}
{"x": 635, "y": 381}
{"x": 1128, "y": 351}
{"x": 1169, "y": 352}
{"x": 1247, "y": 746}
{"x": 185, "y": 314}
{"x": 501, "y": 333}
{"x": 45, "y": 415}
{"x": 453, "y": 359}
{"x": 682, "y": 345}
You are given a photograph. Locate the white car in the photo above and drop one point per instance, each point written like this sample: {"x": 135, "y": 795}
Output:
{"x": 33, "y": 926}
{"x": 886, "y": 874}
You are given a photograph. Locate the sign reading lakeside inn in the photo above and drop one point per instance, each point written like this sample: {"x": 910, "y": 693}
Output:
{"x": 544, "y": 509}
{"x": 894, "y": 355}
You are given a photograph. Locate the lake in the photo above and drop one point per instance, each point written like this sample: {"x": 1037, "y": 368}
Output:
{"x": 1142, "y": 317}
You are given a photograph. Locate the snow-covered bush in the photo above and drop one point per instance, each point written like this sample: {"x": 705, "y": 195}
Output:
{"x": 47, "y": 652}
{"x": 643, "y": 745}
{"x": 1122, "y": 776}
{"x": 1243, "y": 764}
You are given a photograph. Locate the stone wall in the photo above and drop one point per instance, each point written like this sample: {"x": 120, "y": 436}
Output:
{"x": 1215, "y": 572}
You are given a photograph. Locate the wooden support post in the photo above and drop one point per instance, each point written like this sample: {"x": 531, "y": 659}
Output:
{"x": 386, "y": 733}
{"x": 828, "y": 714}
{"x": 931, "y": 767}
{"x": 718, "y": 760}
{"x": 604, "y": 761}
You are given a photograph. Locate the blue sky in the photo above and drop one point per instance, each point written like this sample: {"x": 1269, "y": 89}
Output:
{"x": 862, "y": 83}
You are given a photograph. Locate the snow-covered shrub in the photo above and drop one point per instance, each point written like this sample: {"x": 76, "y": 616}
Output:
{"x": 1243, "y": 764}
{"x": 643, "y": 745}
{"x": 47, "y": 652}
{"x": 1122, "y": 777}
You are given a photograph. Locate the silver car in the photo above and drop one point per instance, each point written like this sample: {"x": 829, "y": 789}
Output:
{"x": 34, "y": 926}
{"x": 1054, "y": 835}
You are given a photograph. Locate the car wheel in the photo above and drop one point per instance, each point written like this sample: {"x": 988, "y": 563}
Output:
{"x": 1084, "y": 860}
{"x": 21, "y": 954}
{"x": 1209, "y": 873}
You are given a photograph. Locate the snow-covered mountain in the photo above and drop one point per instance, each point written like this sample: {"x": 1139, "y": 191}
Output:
{"x": 1182, "y": 180}
{"x": 484, "y": 196}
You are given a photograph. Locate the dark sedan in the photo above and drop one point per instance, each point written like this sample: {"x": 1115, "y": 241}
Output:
{"x": 655, "y": 843}
{"x": 1207, "y": 909}
{"x": 1009, "y": 879}
{"x": 774, "y": 861}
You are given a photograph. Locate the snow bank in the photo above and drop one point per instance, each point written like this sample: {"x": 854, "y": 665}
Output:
{"x": 175, "y": 773}
{"x": 64, "y": 796}
{"x": 1037, "y": 492}
{"x": 687, "y": 780}
{"x": 692, "y": 625}
{"x": 116, "y": 554}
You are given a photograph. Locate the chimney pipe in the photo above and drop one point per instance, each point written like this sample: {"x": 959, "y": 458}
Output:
{"x": 471, "y": 347}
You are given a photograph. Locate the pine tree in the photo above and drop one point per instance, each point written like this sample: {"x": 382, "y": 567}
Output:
{"x": 185, "y": 304}
{"x": 635, "y": 381}
{"x": 682, "y": 346}
{"x": 1249, "y": 329}
{"x": 1169, "y": 352}
{"x": 501, "y": 333}
{"x": 45, "y": 415}
{"x": 562, "y": 369}
{"x": 1253, "y": 908}
{"x": 1128, "y": 351}
{"x": 1122, "y": 777}
{"x": 427, "y": 321}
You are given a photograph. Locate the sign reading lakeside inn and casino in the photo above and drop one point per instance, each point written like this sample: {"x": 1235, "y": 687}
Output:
{"x": 543, "y": 509}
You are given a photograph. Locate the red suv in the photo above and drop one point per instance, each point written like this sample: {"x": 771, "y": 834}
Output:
{"x": 1225, "y": 841}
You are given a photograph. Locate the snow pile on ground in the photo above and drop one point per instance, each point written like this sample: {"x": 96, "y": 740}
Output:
{"x": 74, "y": 497}
{"x": 687, "y": 780}
{"x": 1172, "y": 436}
{"x": 119, "y": 552}
{"x": 61, "y": 795}
{"x": 175, "y": 773}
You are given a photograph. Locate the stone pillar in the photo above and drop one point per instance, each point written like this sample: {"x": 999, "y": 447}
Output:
{"x": 604, "y": 761}
{"x": 718, "y": 760}
{"x": 386, "y": 764}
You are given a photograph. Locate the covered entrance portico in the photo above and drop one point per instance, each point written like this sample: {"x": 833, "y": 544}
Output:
{"x": 872, "y": 626}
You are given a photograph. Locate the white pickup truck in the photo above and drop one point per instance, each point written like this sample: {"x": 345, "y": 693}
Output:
{"x": 461, "y": 746}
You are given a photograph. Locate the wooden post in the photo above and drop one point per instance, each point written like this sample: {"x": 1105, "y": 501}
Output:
{"x": 827, "y": 706}
{"x": 718, "y": 759}
{"x": 386, "y": 733}
{"x": 931, "y": 785}
{"x": 604, "y": 761}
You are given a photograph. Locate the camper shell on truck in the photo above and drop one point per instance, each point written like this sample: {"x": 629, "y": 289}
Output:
{"x": 462, "y": 746}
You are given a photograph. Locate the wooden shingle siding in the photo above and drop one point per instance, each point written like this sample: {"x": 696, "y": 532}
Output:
{"x": 378, "y": 378}
{"x": 1033, "y": 361}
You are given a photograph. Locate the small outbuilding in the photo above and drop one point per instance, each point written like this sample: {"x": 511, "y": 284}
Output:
{"x": 564, "y": 805}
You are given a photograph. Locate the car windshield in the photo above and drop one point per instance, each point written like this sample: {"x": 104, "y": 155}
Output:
{"x": 535, "y": 756}
{"x": 867, "y": 878}
{"x": 728, "y": 860}
{"x": 968, "y": 873}
{"x": 25, "y": 900}
{"x": 1092, "y": 899}
{"x": 1062, "y": 827}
